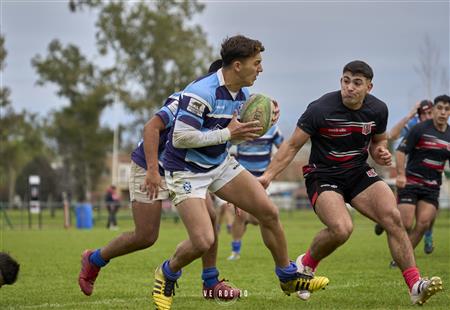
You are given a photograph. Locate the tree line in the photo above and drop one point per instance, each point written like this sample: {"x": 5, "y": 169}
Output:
{"x": 156, "y": 51}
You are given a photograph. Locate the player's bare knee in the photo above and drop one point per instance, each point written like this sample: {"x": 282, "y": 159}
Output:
{"x": 144, "y": 241}
{"x": 268, "y": 216}
{"x": 422, "y": 225}
{"x": 391, "y": 220}
{"x": 342, "y": 232}
{"x": 203, "y": 244}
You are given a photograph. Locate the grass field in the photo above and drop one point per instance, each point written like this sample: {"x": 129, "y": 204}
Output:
{"x": 358, "y": 271}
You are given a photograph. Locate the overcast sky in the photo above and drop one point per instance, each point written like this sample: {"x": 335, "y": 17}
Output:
{"x": 307, "y": 44}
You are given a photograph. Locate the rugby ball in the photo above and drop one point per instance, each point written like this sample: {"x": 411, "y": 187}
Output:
{"x": 260, "y": 108}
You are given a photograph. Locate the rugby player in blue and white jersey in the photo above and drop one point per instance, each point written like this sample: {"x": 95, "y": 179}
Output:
{"x": 344, "y": 127}
{"x": 255, "y": 157}
{"x": 147, "y": 190}
{"x": 197, "y": 160}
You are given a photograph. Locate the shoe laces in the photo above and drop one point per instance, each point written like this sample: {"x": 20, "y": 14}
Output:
{"x": 223, "y": 282}
{"x": 304, "y": 276}
{"x": 169, "y": 288}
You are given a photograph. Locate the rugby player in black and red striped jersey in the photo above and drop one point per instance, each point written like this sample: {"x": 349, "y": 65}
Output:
{"x": 428, "y": 148}
{"x": 344, "y": 127}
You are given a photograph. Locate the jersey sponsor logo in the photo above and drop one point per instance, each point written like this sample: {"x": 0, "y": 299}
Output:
{"x": 366, "y": 129}
{"x": 196, "y": 107}
{"x": 187, "y": 187}
{"x": 342, "y": 128}
{"x": 329, "y": 185}
{"x": 371, "y": 173}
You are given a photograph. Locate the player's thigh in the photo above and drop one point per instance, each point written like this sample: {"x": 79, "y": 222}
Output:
{"x": 245, "y": 191}
{"x": 195, "y": 216}
{"x": 147, "y": 217}
{"x": 331, "y": 209}
{"x": 377, "y": 202}
{"x": 426, "y": 212}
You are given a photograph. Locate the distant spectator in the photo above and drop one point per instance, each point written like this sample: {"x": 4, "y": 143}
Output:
{"x": 112, "y": 200}
{"x": 9, "y": 269}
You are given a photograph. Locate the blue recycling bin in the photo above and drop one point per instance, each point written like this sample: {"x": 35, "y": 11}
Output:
{"x": 83, "y": 212}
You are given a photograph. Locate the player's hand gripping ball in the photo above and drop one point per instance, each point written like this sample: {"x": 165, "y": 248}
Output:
{"x": 260, "y": 108}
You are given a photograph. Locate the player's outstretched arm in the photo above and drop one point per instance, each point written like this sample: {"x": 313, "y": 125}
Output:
{"x": 395, "y": 131}
{"x": 152, "y": 130}
{"x": 284, "y": 156}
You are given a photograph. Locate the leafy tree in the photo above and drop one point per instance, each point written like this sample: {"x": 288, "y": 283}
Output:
{"x": 156, "y": 50}
{"x": 81, "y": 142}
{"x": 20, "y": 138}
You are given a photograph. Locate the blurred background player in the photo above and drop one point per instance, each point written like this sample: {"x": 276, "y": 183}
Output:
{"x": 428, "y": 148}
{"x": 9, "y": 269}
{"x": 147, "y": 190}
{"x": 224, "y": 213}
{"x": 255, "y": 157}
{"x": 419, "y": 113}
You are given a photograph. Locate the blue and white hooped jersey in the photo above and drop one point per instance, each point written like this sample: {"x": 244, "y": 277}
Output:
{"x": 167, "y": 114}
{"x": 255, "y": 155}
{"x": 405, "y": 130}
{"x": 205, "y": 104}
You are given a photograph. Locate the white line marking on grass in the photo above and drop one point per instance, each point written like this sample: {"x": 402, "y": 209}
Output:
{"x": 270, "y": 294}
{"x": 97, "y": 302}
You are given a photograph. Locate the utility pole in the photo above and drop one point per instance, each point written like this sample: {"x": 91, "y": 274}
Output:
{"x": 115, "y": 156}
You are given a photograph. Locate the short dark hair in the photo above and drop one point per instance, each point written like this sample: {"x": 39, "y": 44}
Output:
{"x": 359, "y": 67}
{"x": 239, "y": 47}
{"x": 215, "y": 65}
{"x": 443, "y": 98}
{"x": 9, "y": 268}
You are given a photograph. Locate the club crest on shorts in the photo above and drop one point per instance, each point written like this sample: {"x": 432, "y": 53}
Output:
{"x": 187, "y": 187}
{"x": 371, "y": 173}
{"x": 366, "y": 129}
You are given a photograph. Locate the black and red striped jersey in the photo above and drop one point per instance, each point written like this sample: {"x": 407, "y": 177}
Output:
{"x": 428, "y": 149}
{"x": 340, "y": 136}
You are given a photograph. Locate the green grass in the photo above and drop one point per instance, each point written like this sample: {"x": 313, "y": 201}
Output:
{"x": 359, "y": 273}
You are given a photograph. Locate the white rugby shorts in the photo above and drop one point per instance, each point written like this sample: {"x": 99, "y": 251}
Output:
{"x": 136, "y": 186}
{"x": 185, "y": 184}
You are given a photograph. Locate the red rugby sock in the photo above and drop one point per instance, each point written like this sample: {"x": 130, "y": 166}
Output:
{"x": 411, "y": 276}
{"x": 309, "y": 261}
